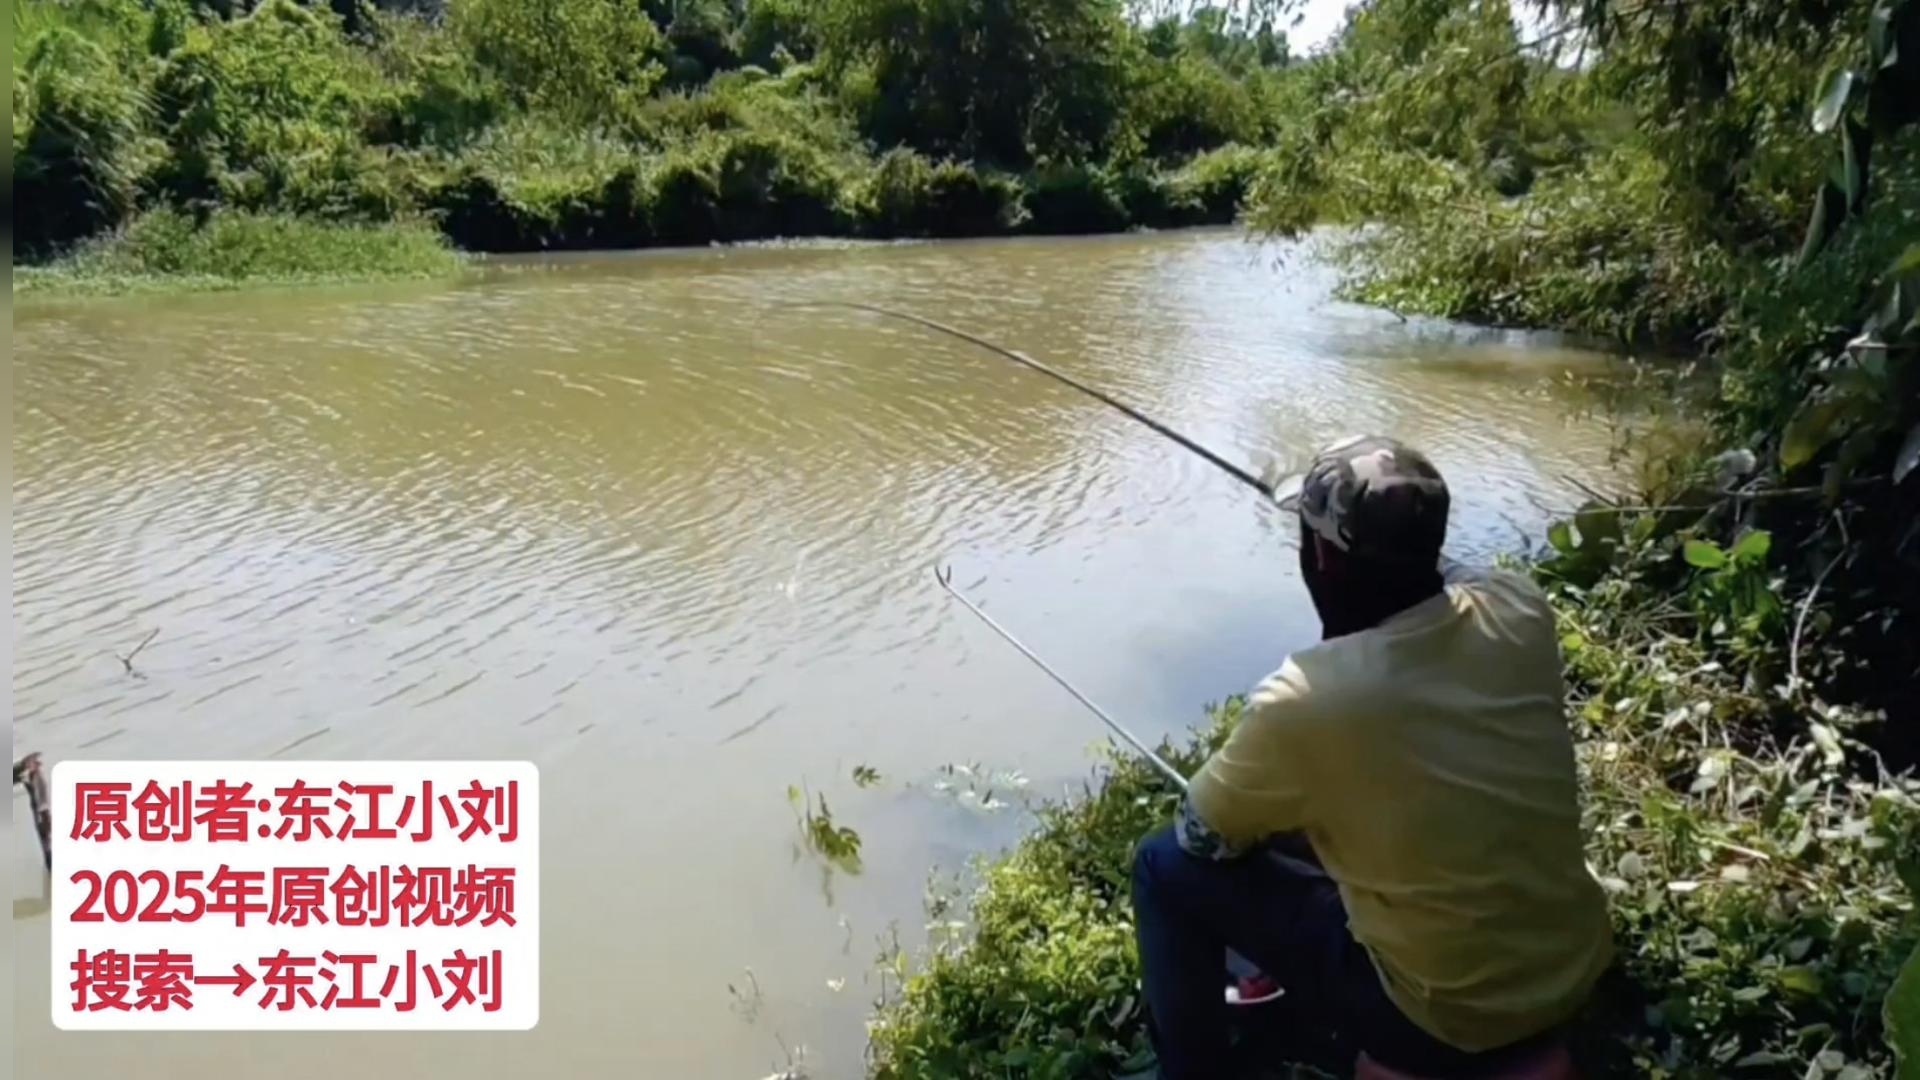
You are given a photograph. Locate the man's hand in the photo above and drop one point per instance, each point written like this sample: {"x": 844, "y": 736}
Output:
{"x": 1197, "y": 838}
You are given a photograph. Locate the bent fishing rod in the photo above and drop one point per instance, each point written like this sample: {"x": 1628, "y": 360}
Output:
{"x": 945, "y": 576}
{"x": 1256, "y": 483}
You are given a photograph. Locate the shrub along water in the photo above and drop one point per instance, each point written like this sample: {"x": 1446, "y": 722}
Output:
{"x": 167, "y": 249}
{"x": 620, "y": 123}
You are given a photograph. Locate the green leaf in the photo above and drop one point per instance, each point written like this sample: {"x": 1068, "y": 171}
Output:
{"x": 1800, "y": 980}
{"x": 1895, "y": 99}
{"x": 1850, "y": 172}
{"x": 1853, "y": 453}
{"x": 1705, "y": 554}
{"x": 1598, "y": 524}
{"x": 1907, "y": 863}
{"x": 1560, "y": 535}
{"x": 1896, "y": 311}
{"x": 1816, "y": 424}
{"x": 1879, "y": 33}
{"x": 1908, "y": 456}
{"x": 1829, "y": 209}
{"x": 1833, "y": 100}
{"x": 1902, "y": 1015}
{"x": 1753, "y": 547}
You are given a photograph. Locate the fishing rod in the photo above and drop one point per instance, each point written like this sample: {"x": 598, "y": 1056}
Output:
{"x": 1292, "y": 864}
{"x": 1256, "y": 483}
{"x": 944, "y": 575}
{"x": 945, "y": 578}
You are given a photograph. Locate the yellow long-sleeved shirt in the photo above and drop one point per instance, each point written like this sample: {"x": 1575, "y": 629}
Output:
{"x": 1429, "y": 762}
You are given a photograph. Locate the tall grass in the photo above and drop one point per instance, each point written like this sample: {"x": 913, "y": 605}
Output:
{"x": 167, "y": 249}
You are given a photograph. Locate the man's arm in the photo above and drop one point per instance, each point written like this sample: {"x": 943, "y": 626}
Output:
{"x": 1254, "y": 786}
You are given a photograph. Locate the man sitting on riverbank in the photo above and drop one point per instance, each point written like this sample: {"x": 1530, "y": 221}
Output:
{"x": 1420, "y": 755}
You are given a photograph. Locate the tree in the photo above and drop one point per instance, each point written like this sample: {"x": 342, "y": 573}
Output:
{"x": 1008, "y": 81}
{"x": 585, "y": 59}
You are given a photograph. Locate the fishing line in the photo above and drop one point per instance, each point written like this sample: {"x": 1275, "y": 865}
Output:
{"x": 944, "y": 575}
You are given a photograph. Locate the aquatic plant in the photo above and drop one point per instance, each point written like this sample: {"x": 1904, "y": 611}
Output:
{"x": 838, "y": 844}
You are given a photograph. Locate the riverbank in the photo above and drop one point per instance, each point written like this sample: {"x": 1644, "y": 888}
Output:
{"x": 603, "y": 125}
{"x": 166, "y": 251}
{"x": 901, "y": 195}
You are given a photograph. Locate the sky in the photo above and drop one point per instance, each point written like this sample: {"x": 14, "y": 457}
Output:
{"x": 1321, "y": 19}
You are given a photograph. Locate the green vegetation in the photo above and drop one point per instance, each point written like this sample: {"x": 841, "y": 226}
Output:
{"x": 622, "y": 123}
{"x": 1749, "y": 836}
{"x": 1047, "y": 983}
{"x": 167, "y": 249}
{"x": 839, "y": 845}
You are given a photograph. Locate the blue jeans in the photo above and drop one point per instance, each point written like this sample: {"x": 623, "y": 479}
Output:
{"x": 1289, "y": 920}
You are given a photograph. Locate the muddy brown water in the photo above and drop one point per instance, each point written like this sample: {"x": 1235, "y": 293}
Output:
{"x": 626, "y": 517}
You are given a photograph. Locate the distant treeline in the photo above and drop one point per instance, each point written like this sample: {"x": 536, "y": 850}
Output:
{"x": 617, "y": 123}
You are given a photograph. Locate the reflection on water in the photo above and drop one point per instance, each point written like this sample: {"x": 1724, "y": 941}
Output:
{"x": 630, "y": 518}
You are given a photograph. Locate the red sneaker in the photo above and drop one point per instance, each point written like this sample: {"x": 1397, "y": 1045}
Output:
{"x": 1255, "y": 989}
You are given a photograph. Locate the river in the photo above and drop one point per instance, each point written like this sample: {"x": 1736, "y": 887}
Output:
{"x": 627, "y": 517}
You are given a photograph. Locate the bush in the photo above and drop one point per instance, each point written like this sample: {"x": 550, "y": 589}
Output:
{"x": 1587, "y": 249}
{"x": 511, "y": 121}
{"x": 443, "y": 97}
{"x": 748, "y": 100}
{"x": 534, "y": 185}
{"x": 1750, "y": 846}
{"x": 231, "y": 249}
{"x": 1149, "y": 199}
{"x": 913, "y": 70}
{"x": 746, "y": 185}
{"x": 590, "y": 61}
{"x": 270, "y": 111}
{"x": 908, "y": 195}
{"x": 700, "y": 32}
{"x": 684, "y": 203}
{"x": 79, "y": 142}
{"x": 776, "y": 33}
{"x": 1217, "y": 182}
{"x": 1189, "y": 105}
{"x": 1074, "y": 199}
{"x": 773, "y": 186}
